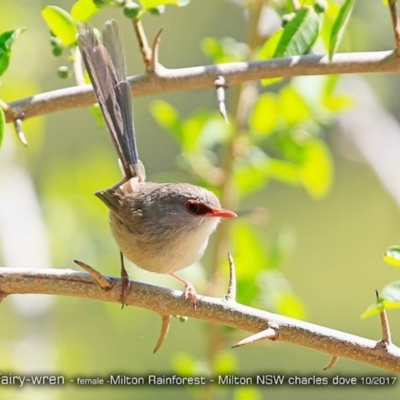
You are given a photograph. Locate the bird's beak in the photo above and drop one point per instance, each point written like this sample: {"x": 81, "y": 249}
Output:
{"x": 222, "y": 213}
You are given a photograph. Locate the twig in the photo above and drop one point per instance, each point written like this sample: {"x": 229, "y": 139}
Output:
{"x": 168, "y": 80}
{"x": 386, "y": 334}
{"x": 143, "y": 43}
{"x": 231, "y": 295}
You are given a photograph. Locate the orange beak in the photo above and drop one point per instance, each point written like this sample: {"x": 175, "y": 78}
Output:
{"x": 222, "y": 213}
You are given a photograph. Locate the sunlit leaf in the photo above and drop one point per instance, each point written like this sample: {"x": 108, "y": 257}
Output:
{"x": 284, "y": 171}
{"x": 316, "y": 172}
{"x": 392, "y": 256}
{"x": 246, "y": 393}
{"x": 292, "y": 106}
{"x": 251, "y": 257}
{"x": 61, "y": 24}
{"x": 2, "y": 125}
{"x": 339, "y": 26}
{"x": 332, "y": 101}
{"x": 225, "y": 363}
{"x": 373, "y": 309}
{"x": 83, "y": 10}
{"x": 299, "y": 34}
{"x": 156, "y": 3}
{"x": 290, "y": 305}
{"x": 264, "y": 117}
{"x": 184, "y": 364}
{"x": 98, "y": 116}
{"x": 389, "y": 298}
{"x": 6, "y": 41}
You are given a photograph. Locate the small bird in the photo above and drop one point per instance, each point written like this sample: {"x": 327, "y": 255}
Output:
{"x": 160, "y": 227}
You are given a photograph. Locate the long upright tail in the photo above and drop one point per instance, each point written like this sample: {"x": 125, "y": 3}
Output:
{"x": 106, "y": 67}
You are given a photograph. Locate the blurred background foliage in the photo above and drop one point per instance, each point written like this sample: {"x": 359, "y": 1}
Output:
{"x": 309, "y": 163}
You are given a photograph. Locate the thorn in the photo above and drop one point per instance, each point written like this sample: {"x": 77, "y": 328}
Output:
{"x": 102, "y": 280}
{"x": 331, "y": 363}
{"x": 386, "y": 334}
{"x": 231, "y": 295}
{"x": 154, "y": 52}
{"x": 125, "y": 282}
{"x": 220, "y": 85}
{"x": 271, "y": 333}
{"x": 20, "y": 133}
{"x": 165, "y": 324}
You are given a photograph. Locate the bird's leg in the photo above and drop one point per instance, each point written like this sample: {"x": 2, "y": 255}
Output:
{"x": 125, "y": 282}
{"x": 190, "y": 291}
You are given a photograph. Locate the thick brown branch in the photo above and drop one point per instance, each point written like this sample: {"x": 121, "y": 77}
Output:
{"x": 167, "y": 80}
{"x": 165, "y": 302}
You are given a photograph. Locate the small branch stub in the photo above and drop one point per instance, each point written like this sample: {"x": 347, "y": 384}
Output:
{"x": 220, "y": 85}
{"x": 19, "y": 131}
{"x": 386, "y": 334}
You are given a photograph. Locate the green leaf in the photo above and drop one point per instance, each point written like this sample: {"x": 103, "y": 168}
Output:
{"x": 391, "y": 294}
{"x": 2, "y": 125}
{"x": 155, "y": 3}
{"x": 284, "y": 171}
{"x": 61, "y": 24}
{"x": 251, "y": 257}
{"x": 168, "y": 118}
{"x": 339, "y": 26}
{"x": 6, "y": 41}
{"x": 316, "y": 172}
{"x": 389, "y": 298}
{"x": 83, "y": 10}
{"x": 332, "y": 101}
{"x": 299, "y": 34}
{"x": 264, "y": 117}
{"x": 392, "y": 256}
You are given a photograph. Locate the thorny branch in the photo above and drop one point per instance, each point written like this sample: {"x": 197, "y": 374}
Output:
{"x": 222, "y": 311}
{"x": 167, "y": 80}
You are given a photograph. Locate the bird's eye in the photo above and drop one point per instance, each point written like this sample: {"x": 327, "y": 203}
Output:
{"x": 192, "y": 207}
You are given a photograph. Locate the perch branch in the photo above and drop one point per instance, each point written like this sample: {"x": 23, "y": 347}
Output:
{"x": 167, "y": 80}
{"x": 165, "y": 302}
